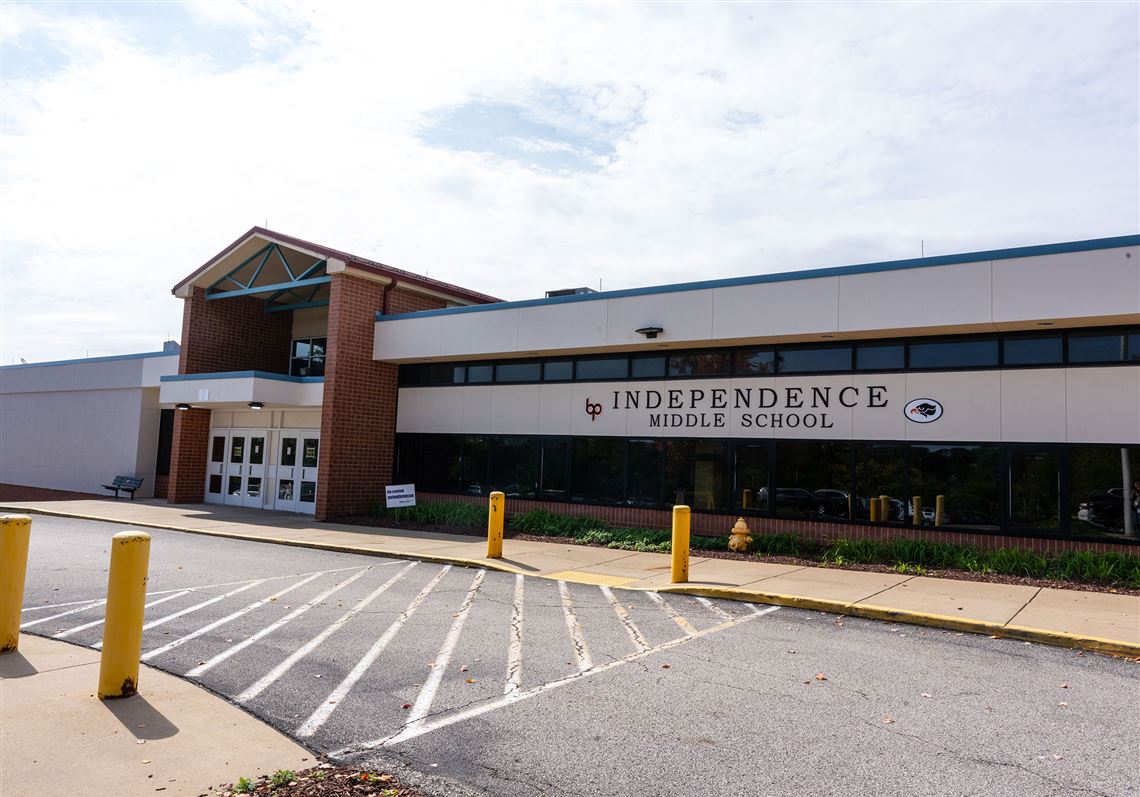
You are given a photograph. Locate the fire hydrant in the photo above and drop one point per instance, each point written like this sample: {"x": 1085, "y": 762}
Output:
{"x": 740, "y": 538}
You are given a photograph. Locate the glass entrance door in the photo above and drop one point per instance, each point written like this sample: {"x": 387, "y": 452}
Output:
{"x": 235, "y": 472}
{"x": 297, "y": 455}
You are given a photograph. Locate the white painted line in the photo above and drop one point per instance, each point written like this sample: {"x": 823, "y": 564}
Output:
{"x": 685, "y": 625}
{"x": 56, "y": 605}
{"x": 84, "y": 608}
{"x": 581, "y": 651}
{"x": 712, "y": 607}
{"x": 93, "y": 623}
{"x": 514, "y": 646}
{"x": 422, "y": 707}
{"x": 330, "y": 704}
{"x": 194, "y": 608}
{"x": 150, "y": 654}
{"x": 269, "y": 629}
{"x": 631, "y": 628}
{"x": 270, "y": 677}
{"x": 761, "y": 612}
{"x": 475, "y": 711}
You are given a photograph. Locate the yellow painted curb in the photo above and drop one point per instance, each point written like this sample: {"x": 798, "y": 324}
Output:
{"x": 867, "y": 611}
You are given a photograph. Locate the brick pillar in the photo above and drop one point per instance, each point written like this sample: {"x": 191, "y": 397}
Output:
{"x": 358, "y": 417}
{"x": 187, "y": 483}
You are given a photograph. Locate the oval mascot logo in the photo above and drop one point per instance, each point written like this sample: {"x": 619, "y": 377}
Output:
{"x": 923, "y": 410}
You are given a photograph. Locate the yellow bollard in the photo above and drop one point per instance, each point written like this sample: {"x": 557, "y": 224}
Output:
{"x": 916, "y": 510}
{"x": 122, "y": 630}
{"x": 495, "y": 525}
{"x": 746, "y": 498}
{"x": 939, "y": 509}
{"x": 15, "y": 533}
{"x": 873, "y": 506}
{"x": 680, "y": 571}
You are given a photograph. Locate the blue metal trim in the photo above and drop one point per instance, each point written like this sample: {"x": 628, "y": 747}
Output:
{"x": 284, "y": 262}
{"x": 241, "y": 375}
{"x": 300, "y": 306}
{"x": 257, "y": 271}
{"x": 230, "y": 274}
{"x": 106, "y": 359}
{"x": 265, "y": 288}
{"x": 788, "y": 276}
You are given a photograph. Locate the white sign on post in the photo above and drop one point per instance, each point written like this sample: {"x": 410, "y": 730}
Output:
{"x": 398, "y": 495}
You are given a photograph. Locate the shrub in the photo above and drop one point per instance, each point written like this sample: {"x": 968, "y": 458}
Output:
{"x": 1015, "y": 562}
{"x": 451, "y": 513}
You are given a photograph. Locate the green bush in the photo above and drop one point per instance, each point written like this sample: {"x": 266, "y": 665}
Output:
{"x": 1103, "y": 568}
{"x": 450, "y": 513}
{"x": 1015, "y": 562}
{"x": 782, "y": 545}
{"x": 539, "y": 521}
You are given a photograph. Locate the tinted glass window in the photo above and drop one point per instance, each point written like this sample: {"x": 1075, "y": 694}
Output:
{"x": 791, "y": 361}
{"x": 518, "y": 372}
{"x": 879, "y": 471}
{"x": 954, "y": 353}
{"x": 1034, "y": 497}
{"x": 699, "y": 363}
{"x": 645, "y": 367}
{"x": 559, "y": 371}
{"x": 479, "y": 373}
{"x": 609, "y": 368}
{"x": 812, "y": 479}
{"x": 1096, "y": 348}
{"x": 1098, "y": 490}
{"x": 696, "y": 474}
{"x": 441, "y": 458}
{"x": 514, "y": 466}
{"x": 476, "y": 458}
{"x": 645, "y": 460}
{"x": 1134, "y": 347}
{"x": 966, "y": 477}
{"x": 751, "y": 477}
{"x": 555, "y": 469}
{"x": 880, "y": 358}
{"x": 755, "y": 361}
{"x": 1042, "y": 349}
{"x": 599, "y": 469}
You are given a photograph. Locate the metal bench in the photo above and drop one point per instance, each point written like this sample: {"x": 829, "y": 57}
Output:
{"x": 128, "y": 484}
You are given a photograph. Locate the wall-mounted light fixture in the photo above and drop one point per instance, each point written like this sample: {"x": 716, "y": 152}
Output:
{"x": 257, "y": 405}
{"x": 182, "y": 406}
{"x": 650, "y": 332}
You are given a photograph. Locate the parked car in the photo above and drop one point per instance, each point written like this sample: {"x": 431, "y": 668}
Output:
{"x": 830, "y": 503}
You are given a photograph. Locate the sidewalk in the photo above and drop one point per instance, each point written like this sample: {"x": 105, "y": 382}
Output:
{"x": 172, "y": 738}
{"x": 1091, "y": 620}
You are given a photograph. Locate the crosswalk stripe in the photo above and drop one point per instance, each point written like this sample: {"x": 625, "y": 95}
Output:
{"x": 581, "y": 650}
{"x": 93, "y": 623}
{"x": 422, "y": 706}
{"x": 270, "y": 677}
{"x": 269, "y": 629}
{"x": 685, "y": 625}
{"x": 623, "y": 615}
{"x": 514, "y": 646}
{"x": 330, "y": 704}
{"x": 228, "y": 618}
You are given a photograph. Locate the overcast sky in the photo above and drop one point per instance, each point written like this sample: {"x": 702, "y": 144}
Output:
{"x": 518, "y": 148}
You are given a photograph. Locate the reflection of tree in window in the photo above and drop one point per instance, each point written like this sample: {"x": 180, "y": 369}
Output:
{"x": 812, "y": 479}
{"x": 1099, "y": 494}
{"x": 555, "y": 472}
{"x": 879, "y": 470}
{"x": 598, "y": 469}
{"x": 751, "y": 477}
{"x": 1033, "y": 493}
{"x": 968, "y": 477}
{"x": 707, "y": 363}
{"x": 514, "y": 466}
{"x": 643, "y": 478}
{"x": 696, "y": 473}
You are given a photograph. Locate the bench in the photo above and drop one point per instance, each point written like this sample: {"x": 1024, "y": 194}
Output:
{"x": 128, "y": 484}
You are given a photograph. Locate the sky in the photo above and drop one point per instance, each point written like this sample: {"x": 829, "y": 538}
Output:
{"x": 521, "y": 147}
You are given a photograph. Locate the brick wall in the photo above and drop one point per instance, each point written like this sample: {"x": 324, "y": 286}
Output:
{"x": 717, "y": 525}
{"x": 358, "y": 417}
{"x": 233, "y": 335}
{"x": 160, "y": 485}
{"x": 187, "y": 480}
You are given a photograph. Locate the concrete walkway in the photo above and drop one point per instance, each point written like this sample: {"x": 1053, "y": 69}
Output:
{"x": 173, "y": 737}
{"x": 1092, "y": 620}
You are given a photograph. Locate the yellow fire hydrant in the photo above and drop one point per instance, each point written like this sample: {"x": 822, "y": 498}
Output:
{"x": 741, "y": 537}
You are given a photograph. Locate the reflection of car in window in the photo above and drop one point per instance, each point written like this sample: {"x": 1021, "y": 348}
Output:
{"x": 1104, "y": 509}
{"x": 830, "y": 503}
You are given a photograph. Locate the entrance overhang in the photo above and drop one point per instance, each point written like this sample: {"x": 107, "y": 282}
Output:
{"x": 238, "y": 389}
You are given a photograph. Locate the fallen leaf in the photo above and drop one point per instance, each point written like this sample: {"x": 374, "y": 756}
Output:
{"x": 820, "y": 676}
{"x": 1065, "y": 685}
{"x": 146, "y": 760}
{"x": 463, "y": 668}
{"x": 888, "y": 721}
{"x": 470, "y": 680}
{"x": 406, "y": 706}
{"x": 666, "y": 666}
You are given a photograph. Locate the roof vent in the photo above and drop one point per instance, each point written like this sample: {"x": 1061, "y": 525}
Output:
{"x": 568, "y": 292}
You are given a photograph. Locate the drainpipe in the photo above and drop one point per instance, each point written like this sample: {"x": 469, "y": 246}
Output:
{"x": 384, "y": 300}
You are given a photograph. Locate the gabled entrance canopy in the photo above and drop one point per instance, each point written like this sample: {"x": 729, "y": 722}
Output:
{"x": 290, "y": 274}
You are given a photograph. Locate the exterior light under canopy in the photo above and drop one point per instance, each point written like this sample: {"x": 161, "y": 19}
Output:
{"x": 182, "y": 406}
{"x": 256, "y": 405}
{"x": 650, "y": 332}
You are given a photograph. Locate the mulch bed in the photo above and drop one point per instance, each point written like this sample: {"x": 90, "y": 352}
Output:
{"x": 18, "y": 492}
{"x": 959, "y": 575}
{"x": 324, "y": 780}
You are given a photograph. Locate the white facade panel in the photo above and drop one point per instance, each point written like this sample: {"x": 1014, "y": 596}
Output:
{"x": 971, "y": 402}
{"x": 474, "y": 333}
{"x": 515, "y": 408}
{"x": 915, "y": 298}
{"x": 869, "y": 423}
{"x": 551, "y": 327}
{"x": 686, "y": 315}
{"x": 408, "y": 337}
{"x": 1103, "y": 405}
{"x": 1033, "y": 400}
{"x": 154, "y": 368}
{"x": 554, "y": 409}
{"x": 423, "y": 408}
{"x": 1102, "y": 282}
{"x": 773, "y": 309}
{"x": 216, "y": 393}
{"x": 476, "y": 413}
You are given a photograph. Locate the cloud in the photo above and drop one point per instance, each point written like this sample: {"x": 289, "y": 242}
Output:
{"x": 521, "y": 147}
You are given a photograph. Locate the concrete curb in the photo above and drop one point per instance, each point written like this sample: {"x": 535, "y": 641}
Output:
{"x": 865, "y": 611}
{"x": 870, "y": 612}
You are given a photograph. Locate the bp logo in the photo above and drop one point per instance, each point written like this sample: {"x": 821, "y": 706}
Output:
{"x": 923, "y": 410}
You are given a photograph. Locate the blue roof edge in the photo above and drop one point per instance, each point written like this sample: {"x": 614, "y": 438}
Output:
{"x": 788, "y": 276}
{"x": 109, "y": 358}
{"x": 240, "y": 375}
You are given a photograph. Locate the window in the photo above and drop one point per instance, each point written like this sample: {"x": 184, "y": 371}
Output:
{"x": 514, "y": 466}
{"x": 606, "y": 368}
{"x": 1086, "y": 348}
{"x": 555, "y": 465}
{"x": 599, "y": 469}
{"x": 647, "y": 368}
{"x": 1034, "y": 494}
{"x": 480, "y": 373}
{"x": 518, "y": 372}
{"x": 699, "y": 363}
{"x": 754, "y": 361}
{"x": 431, "y": 374}
{"x": 751, "y": 477}
{"x": 441, "y": 455}
{"x": 967, "y": 477}
{"x": 880, "y": 357}
{"x": 812, "y": 479}
{"x": 696, "y": 474}
{"x": 953, "y": 353}
{"x": 879, "y": 471}
{"x": 558, "y": 371}
{"x": 308, "y": 357}
{"x": 474, "y": 472}
{"x": 644, "y": 461}
{"x": 1033, "y": 350}
{"x": 1099, "y": 494}
{"x": 829, "y": 358}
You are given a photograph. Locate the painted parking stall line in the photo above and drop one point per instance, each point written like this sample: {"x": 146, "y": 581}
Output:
{"x": 581, "y": 650}
{"x": 627, "y": 622}
{"x": 514, "y": 645}
{"x": 684, "y": 624}
{"x": 93, "y": 623}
